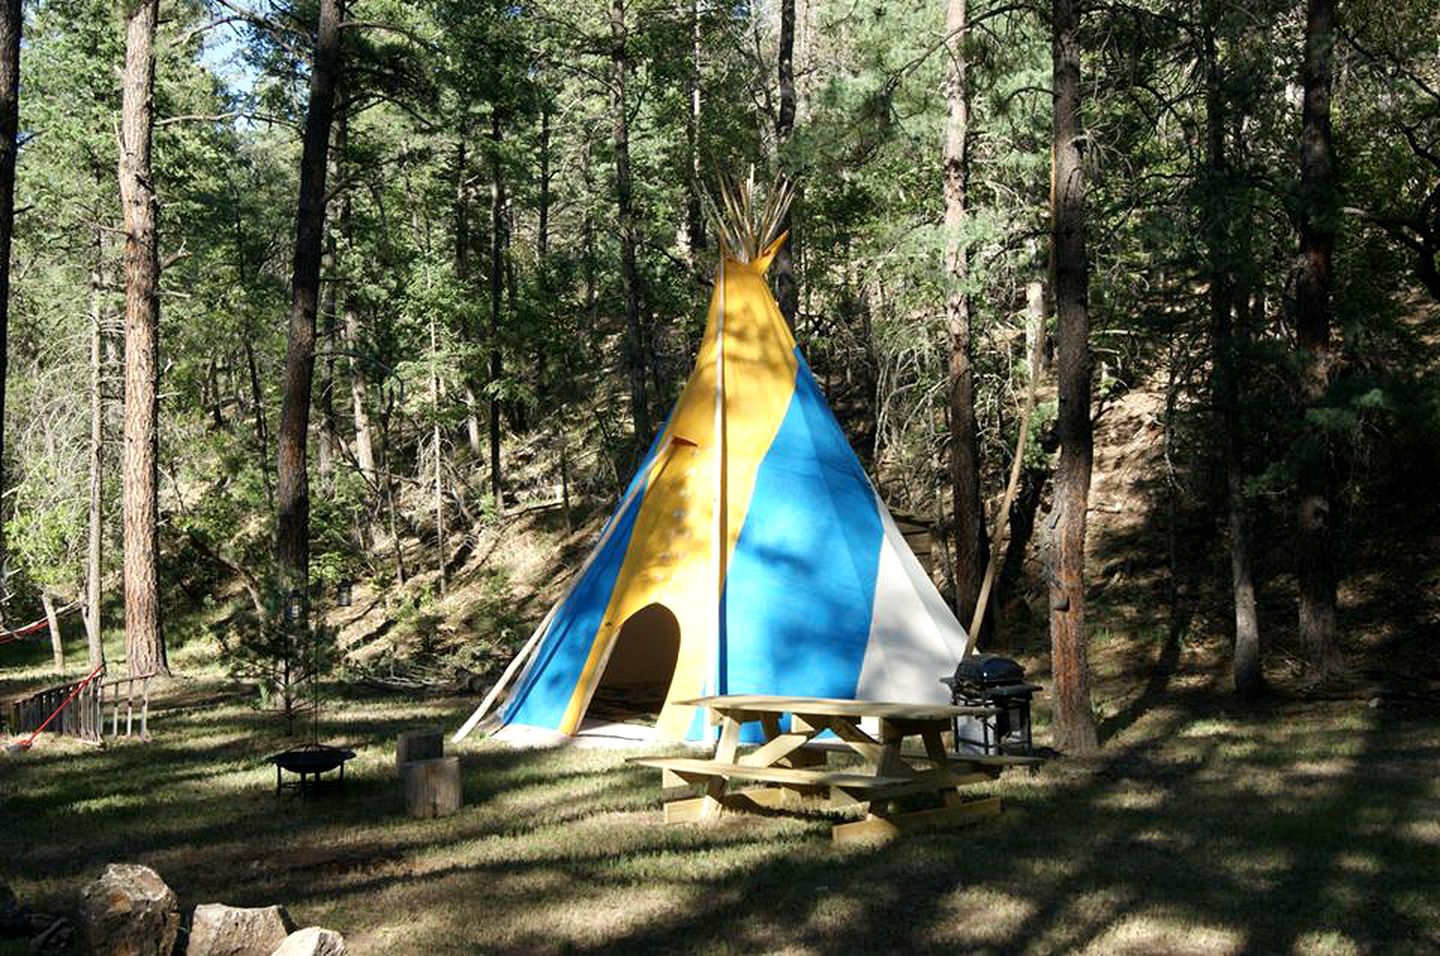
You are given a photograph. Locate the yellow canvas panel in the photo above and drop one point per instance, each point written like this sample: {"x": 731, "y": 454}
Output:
{"x": 670, "y": 559}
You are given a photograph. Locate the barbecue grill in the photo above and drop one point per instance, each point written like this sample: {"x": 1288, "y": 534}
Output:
{"x": 989, "y": 680}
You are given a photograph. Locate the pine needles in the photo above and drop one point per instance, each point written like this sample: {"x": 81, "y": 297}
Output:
{"x": 744, "y": 221}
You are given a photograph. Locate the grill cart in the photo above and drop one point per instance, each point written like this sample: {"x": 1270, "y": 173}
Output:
{"x": 988, "y": 680}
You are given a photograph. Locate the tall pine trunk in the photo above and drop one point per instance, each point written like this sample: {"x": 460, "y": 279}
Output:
{"x": 694, "y": 214}
{"x": 462, "y": 276}
{"x": 11, "y": 21}
{"x": 635, "y": 338}
{"x": 970, "y": 545}
{"x": 1315, "y": 572}
{"x": 329, "y": 431}
{"x": 292, "y": 530}
{"x": 497, "y": 286}
{"x": 144, "y": 640}
{"x": 95, "y": 552}
{"x": 787, "y": 292}
{"x": 350, "y": 319}
{"x": 1074, "y": 722}
{"x": 1249, "y": 680}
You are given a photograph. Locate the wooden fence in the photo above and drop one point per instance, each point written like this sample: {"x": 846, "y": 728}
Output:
{"x": 84, "y": 718}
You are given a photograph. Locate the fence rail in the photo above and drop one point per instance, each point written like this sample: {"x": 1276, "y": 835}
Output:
{"x": 84, "y": 717}
{"x": 129, "y": 697}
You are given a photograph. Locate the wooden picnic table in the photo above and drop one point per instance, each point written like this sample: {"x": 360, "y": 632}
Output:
{"x": 790, "y": 769}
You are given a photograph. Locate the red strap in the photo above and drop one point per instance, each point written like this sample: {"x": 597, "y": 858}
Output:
{"x": 25, "y": 744}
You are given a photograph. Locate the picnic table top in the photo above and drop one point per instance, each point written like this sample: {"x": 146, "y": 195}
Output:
{"x": 834, "y": 707}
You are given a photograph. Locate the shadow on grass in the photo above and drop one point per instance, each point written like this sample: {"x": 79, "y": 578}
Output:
{"x": 1202, "y": 829}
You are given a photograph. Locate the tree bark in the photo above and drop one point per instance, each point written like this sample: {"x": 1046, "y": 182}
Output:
{"x": 11, "y": 22}
{"x": 542, "y": 227}
{"x": 497, "y": 287}
{"x": 262, "y": 430}
{"x": 462, "y": 275}
{"x": 635, "y": 337}
{"x": 1248, "y": 677}
{"x": 435, "y": 437}
{"x": 57, "y": 643}
{"x": 694, "y": 212}
{"x": 329, "y": 432}
{"x": 292, "y": 532}
{"x": 787, "y": 292}
{"x": 95, "y": 552}
{"x": 971, "y": 551}
{"x": 359, "y": 381}
{"x": 144, "y": 639}
{"x": 1315, "y": 572}
{"x": 1074, "y": 721}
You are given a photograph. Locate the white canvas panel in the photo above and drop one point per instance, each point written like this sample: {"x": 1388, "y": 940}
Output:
{"x": 914, "y": 638}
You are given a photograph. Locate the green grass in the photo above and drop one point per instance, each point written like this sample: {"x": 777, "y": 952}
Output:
{"x": 1295, "y": 828}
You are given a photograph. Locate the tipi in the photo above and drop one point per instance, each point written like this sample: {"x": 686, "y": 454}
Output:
{"x": 749, "y": 554}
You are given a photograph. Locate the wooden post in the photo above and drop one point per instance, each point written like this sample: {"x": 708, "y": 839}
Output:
{"x": 432, "y": 787}
{"x": 426, "y": 743}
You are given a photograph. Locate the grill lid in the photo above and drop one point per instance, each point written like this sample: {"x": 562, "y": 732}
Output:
{"x": 988, "y": 670}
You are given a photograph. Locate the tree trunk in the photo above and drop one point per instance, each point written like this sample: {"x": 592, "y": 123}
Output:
{"x": 1249, "y": 680}
{"x": 359, "y": 380}
{"x": 144, "y": 640}
{"x": 635, "y": 337}
{"x": 787, "y": 293}
{"x": 694, "y": 212}
{"x": 329, "y": 433}
{"x": 11, "y": 21}
{"x": 435, "y": 437}
{"x": 1315, "y": 572}
{"x": 462, "y": 275}
{"x": 1074, "y": 722}
{"x": 257, "y": 412}
{"x": 95, "y": 552}
{"x": 57, "y": 643}
{"x": 542, "y": 227}
{"x": 971, "y": 551}
{"x": 497, "y": 285}
{"x": 292, "y": 530}
{"x": 1032, "y": 480}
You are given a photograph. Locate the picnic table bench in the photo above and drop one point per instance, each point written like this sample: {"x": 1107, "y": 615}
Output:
{"x": 791, "y": 770}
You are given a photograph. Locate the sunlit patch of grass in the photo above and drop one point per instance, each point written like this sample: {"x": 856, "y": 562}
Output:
{"x": 1326, "y": 943}
{"x": 1165, "y": 932}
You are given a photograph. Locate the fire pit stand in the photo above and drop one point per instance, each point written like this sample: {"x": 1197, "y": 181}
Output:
{"x": 309, "y": 761}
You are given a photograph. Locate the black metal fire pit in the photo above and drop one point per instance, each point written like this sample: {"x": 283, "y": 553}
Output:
{"x": 988, "y": 680}
{"x": 309, "y": 761}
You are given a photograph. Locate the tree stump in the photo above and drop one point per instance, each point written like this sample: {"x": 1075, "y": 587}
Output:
{"x": 427, "y": 743}
{"x": 432, "y": 787}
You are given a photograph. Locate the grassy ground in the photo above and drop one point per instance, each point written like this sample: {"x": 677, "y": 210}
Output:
{"x": 1299, "y": 827}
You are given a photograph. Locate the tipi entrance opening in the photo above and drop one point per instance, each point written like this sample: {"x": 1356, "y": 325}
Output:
{"x": 637, "y": 677}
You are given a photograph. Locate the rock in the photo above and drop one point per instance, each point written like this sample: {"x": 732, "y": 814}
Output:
{"x": 128, "y": 911}
{"x": 220, "y": 930}
{"x": 426, "y": 743}
{"x": 313, "y": 941}
{"x": 432, "y": 787}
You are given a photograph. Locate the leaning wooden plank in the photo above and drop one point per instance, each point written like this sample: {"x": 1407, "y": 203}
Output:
{"x": 701, "y": 769}
{"x": 883, "y": 828}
